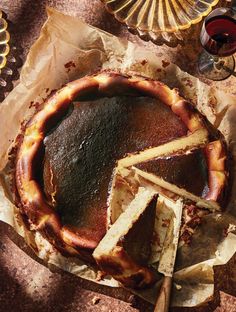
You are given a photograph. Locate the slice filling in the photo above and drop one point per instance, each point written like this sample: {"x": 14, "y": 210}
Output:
{"x": 125, "y": 249}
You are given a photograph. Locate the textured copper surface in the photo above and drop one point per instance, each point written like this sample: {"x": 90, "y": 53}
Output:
{"x": 19, "y": 269}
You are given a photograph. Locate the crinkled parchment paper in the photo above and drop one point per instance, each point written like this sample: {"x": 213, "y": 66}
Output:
{"x": 68, "y": 49}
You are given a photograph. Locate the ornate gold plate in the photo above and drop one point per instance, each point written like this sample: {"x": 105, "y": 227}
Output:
{"x": 4, "y": 39}
{"x": 161, "y": 21}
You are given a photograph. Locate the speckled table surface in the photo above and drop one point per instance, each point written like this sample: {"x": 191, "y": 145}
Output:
{"x": 25, "y": 284}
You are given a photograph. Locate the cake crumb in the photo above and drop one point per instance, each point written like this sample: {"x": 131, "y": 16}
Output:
{"x": 68, "y": 66}
{"x": 165, "y": 63}
{"x": 95, "y": 300}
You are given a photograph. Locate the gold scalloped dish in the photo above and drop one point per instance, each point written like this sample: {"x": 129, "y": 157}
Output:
{"x": 158, "y": 20}
{"x": 4, "y": 39}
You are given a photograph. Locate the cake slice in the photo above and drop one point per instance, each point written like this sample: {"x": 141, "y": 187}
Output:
{"x": 198, "y": 174}
{"x": 124, "y": 251}
{"x": 190, "y": 166}
{"x": 187, "y": 170}
{"x": 196, "y": 139}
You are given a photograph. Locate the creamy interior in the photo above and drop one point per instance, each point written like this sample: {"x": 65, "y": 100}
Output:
{"x": 126, "y": 232}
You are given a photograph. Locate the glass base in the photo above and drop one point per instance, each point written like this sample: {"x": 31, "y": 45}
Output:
{"x": 215, "y": 68}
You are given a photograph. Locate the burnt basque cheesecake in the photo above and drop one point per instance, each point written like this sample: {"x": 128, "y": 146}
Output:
{"x": 72, "y": 148}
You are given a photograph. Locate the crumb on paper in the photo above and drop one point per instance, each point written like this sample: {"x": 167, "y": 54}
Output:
{"x": 69, "y": 65}
{"x": 95, "y": 300}
{"x": 34, "y": 104}
{"x": 144, "y": 62}
{"x": 191, "y": 219}
{"x": 165, "y": 63}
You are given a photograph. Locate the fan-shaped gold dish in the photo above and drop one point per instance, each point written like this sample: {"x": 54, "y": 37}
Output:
{"x": 162, "y": 21}
{"x": 4, "y": 39}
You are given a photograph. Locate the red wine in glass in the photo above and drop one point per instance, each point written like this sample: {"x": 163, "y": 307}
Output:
{"x": 218, "y": 38}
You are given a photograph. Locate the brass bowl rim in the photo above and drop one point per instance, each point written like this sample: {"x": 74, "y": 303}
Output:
{"x": 170, "y": 30}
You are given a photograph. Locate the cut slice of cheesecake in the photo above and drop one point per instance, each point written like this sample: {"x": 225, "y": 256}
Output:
{"x": 197, "y": 174}
{"x": 187, "y": 170}
{"x": 200, "y": 202}
{"x": 184, "y": 173}
{"x": 191, "y": 167}
{"x": 196, "y": 139}
{"x": 125, "y": 249}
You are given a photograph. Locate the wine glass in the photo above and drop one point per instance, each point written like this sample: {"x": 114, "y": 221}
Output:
{"x": 218, "y": 38}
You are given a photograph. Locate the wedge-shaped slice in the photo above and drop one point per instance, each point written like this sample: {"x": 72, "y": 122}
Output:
{"x": 125, "y": 250}
{"x": 186, "y": 170}
{"x": 198, "y": 138}
{"x": 199, "y": 174}
{"x": 200, "y": 202}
